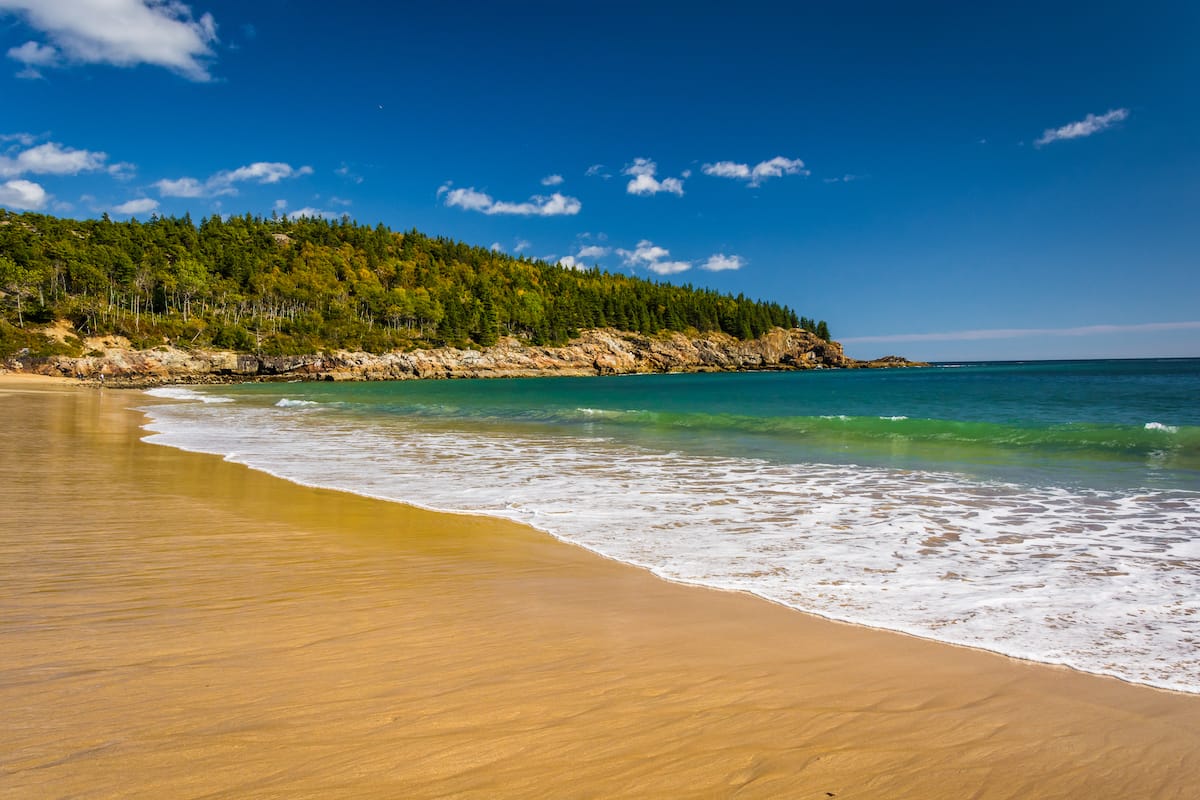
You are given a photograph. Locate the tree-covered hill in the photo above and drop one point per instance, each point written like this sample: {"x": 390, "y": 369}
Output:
{"x": 282, "y": 285}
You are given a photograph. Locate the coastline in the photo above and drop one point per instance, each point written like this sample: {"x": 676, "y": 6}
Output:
{"x": 283, "y": 641}
{"x": 601, "y": 351}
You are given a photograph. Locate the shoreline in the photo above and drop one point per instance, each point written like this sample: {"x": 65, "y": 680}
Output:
{"x": 598, "y": 351}
{"x": 747, "y": 593}
{"x": 1149, "y": 651}
{"x": 507, "y": 641}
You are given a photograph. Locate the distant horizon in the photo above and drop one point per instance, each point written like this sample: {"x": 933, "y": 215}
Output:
{"x": 1109, "y": 342}
{"x": 917, "y": 176}
{"x": 1059, "y": 360}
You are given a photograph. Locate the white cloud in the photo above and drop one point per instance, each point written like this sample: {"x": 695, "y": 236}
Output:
{"x": 263, "y": 172}
{"x": 657, "y": 259}
{"x": 122, "y": 170}
{"x": 309, "y": 211}
{"x": 646, "y": 251}
{"x": 586, "y": 257}
{"x": 1085, "y": 127}
{"x": 33, "y": 55}
{"x": 123, "y": 33}
{"x": 556, "y": 205}
{"x": 280, "y": 205}
{"x": 654, "y": 258}
{"x": 142, "y": 205}
{"x": 469, "y": 199}
{"x": 841, "y": 179}
{"x": 720, "y": 262}
{"x": 728, "y": 169}
{"x": 497, "y": 247}
{"x": 52, "y": 158}
{"x": 552, "y": 180}
{"x": 597, "y": 170}
{"x": 222, "y": 183}
{"x": 521, "y": 245}
{"x": 1017, "y": 333}
{"x": 25, "y": 195}
{"x": 644, "y": 182}
{"x": 772, "y": 168}
{"x": 669, "y": 267}
{"x": 182, "y": 187}
{"x": 778, "y": 167}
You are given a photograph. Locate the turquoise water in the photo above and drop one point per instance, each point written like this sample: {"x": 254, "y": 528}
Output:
{"x": 1047, "y": 510}
{"x": 1087, "y": 423}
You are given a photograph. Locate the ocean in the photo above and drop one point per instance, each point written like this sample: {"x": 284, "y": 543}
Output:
{"x": 1048, "y": 511}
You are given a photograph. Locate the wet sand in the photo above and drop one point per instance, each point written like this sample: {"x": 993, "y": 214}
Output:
{"x": 175, "y": 626}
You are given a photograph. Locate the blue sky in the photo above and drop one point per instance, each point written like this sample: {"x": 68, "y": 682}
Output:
{"x": 943, "y": 180}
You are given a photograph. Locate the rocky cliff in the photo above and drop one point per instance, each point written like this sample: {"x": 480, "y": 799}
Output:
{"x": 594, "y": 352}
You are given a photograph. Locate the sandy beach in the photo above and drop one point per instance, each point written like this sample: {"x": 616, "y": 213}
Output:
{"x": 176, "y": 626}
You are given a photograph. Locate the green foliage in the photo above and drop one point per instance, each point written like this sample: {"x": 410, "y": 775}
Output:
{"x": 820, "y": 329}
{"x": 289, "y": 286}
{"x": 18, "y": 341}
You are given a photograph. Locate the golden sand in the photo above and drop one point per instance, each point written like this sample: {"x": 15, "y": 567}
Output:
{"x": 174, "y": 626}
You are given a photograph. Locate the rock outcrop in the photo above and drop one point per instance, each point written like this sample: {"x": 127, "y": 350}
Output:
{"x": 594, "y": 352}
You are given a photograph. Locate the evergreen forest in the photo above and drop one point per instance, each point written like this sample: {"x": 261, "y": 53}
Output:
{"x": 289, "y": 286}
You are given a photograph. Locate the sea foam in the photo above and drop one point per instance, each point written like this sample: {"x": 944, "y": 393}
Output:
{"x": 289, "y": 403}
{"x": 182, "y": 393}
{"x": 1103, "y": 581}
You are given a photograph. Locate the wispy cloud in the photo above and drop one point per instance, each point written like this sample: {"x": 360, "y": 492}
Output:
{"x": 222, "y": 183}
{"x": 643, "y": 171}
{"x": 122, "y": 171}
{"x": 141, "y": 205}
{"x": 1018, "y": 333}
{"x": 25, "y": 139}
{"x": 344, "y": 171}
{"x": 521, "y": 246}
{"x": 23, "y": 195}
{"x": 122, "y": 33}
{"x": 754, "y": 176}
{"x": 597, "y": 170}
{"x": 1085, "y": 127}
{"x": 552, "y": 180}
{"x": 470, "y": 199}
{"x": 847, "y": 178}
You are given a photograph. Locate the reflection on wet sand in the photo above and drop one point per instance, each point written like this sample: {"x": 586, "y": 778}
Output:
{"x": 175, "y": 626}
